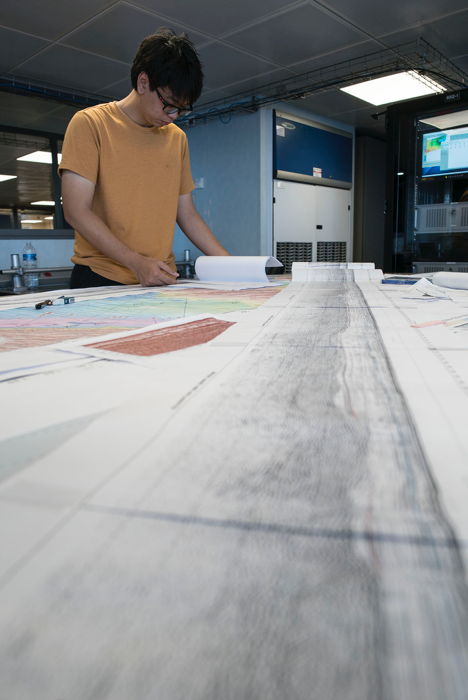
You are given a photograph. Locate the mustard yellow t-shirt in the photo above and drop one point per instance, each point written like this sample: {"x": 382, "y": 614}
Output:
{"x": 139, "y": 174}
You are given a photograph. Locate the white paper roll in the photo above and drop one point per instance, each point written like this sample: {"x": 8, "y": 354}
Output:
{"x": 234, "y": 268}
{"x": 452, "y": 280}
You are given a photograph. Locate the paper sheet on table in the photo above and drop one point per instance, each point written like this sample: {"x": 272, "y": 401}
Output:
{"x": 362, "y": 275}
{"x": 228, "y": 286}
{"x": 97, "y": 293}
{"x": 336, "y": 265}
{"x": 234, "y": 268}
{"x": 87, "y": 346}
{"x": 325, "y": 271}
{"x": 452, "y": 280}
{"x": 426, "y": 291}
{"x": 27, "y": 361}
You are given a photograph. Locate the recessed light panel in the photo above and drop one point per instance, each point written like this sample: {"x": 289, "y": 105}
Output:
{"x": 31, "y": 221}
{"x": 394, "y": 88}
{"x": 3, "y": 178}
{"x": 448, "y": 121}
{"x": 44, "y": 203}
{"x": 40, "y": 157}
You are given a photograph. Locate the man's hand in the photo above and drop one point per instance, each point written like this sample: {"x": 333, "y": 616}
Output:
{"x": 152, "y": 273}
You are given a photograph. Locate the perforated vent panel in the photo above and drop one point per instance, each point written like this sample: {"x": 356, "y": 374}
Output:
{"x": 331, "y": 251}
{"x": 436, "y": 218}
{"x": 288, "y": 252}
{"x": 433, "y": 268}
{"x": 464, "y": 216}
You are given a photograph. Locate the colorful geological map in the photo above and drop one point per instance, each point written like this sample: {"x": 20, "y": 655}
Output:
{"x": 28, "y": 327}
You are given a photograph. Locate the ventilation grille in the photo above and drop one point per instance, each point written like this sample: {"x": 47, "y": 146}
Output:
{"x": 288, "y": 252}
{"x": 464, "y": 216}
{"x": 462, "y": 269}
{"x": 328, "y": 251}
{"x": 433, "y": 268}
{"x": 436, "y": 218}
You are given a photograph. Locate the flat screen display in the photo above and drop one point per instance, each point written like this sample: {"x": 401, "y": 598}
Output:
{"x": 445, "y": 152}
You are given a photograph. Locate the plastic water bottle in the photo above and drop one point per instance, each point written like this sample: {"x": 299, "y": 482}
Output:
{"x": 31, "y": 280}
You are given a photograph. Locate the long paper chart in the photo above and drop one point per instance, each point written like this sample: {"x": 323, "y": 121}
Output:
{"x": 270, "y": 528}
{"x": 28, "y": 327}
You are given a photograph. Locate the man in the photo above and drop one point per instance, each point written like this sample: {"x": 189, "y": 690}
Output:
{"x": 126, "y": 174}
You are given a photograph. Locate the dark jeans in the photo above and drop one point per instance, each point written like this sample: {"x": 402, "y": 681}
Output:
{"x": 82, "y": 276}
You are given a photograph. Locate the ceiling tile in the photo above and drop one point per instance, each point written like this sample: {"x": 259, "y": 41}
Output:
{"x": 294, "y": 36}
{"x": 16, "y": 110}
{"x": 330, "y": 102}
{"x": 259, "y": 81}
{"x": 74, "y": 69}
{"x": 357, "y": 117}
{"x": 462, "y": 63}
{"x": 448, "y": 35}
{"x": 331, "y": 58}
{"x": 215, "y": 17}
{"x": 49, "y": 19}
{"x": 118, "y": 90}
{"x": 16, "y": 47}
{"x": 66, "y": 112}
{"x": 50, "y": 122}
{"x": 379, "y": 17}
{"x": 35, "y": 114}
{"x": 223, "y": 65}
{"x": 118, "y": 33}
{"x": 363, "y": 122}
{"x": 210, "y": 96}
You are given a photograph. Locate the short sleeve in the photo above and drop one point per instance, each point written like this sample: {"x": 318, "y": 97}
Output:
{"x": 80, "y": 151}
{"x": 186, "y": 181}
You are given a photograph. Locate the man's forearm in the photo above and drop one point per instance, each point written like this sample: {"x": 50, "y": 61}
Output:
{"x": 200, "y": 234}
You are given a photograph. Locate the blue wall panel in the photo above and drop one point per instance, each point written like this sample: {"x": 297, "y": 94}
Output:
{"x": 305, "y": 147}
{"x": 227, "y": 156}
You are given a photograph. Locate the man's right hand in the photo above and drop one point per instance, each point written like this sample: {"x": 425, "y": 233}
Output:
{"x": 152, "y": 273}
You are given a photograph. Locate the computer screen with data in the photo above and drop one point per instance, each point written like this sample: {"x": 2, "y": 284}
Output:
{"x": 445, "y": 152}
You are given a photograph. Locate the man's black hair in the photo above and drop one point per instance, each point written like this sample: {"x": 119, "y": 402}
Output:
{"x": 170, "y": 61}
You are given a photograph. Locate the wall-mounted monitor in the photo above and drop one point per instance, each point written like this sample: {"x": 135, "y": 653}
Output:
{"x": 445, "y": 153}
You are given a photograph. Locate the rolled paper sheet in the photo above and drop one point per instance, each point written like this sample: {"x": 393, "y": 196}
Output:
{"x": 452, "y": 280}
{"x": 234, "y": 268}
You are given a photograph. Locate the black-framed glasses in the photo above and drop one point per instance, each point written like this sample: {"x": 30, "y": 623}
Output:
{"x": 171, "y": 109}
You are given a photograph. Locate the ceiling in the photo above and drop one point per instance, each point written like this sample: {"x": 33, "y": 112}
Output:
{"x": 89, "y": 45}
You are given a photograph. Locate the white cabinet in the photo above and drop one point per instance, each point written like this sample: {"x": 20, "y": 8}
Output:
{"x": 311, "y": 223}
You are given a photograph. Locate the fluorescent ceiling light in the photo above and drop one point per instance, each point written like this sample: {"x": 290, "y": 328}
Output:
{"x": 44, "y": 203}
{"x": 31, "y": 221}
{"x": 40, "y": 157}
{"x": 48, "y": 218}
{"x": 448, "y": 121}
{"x": 394, "y": 88}
{"x": 7, "y": 177}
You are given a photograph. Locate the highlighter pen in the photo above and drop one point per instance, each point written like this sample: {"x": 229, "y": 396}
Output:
{"x": 55, "y": 302}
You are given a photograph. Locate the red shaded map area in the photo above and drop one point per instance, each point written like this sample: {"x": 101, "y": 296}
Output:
{"x": 185, "y": 335}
